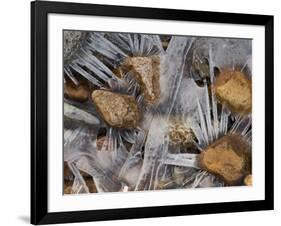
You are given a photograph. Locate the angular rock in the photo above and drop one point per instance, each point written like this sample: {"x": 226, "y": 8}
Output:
{"x": 117, "y": 110}
{"x": 234, "y": 89}
{"x": 146, "y": 72}
{"x": 229, "y": 158}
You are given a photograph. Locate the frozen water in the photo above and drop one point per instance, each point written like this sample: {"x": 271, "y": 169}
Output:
{"x": 149, "y": 160}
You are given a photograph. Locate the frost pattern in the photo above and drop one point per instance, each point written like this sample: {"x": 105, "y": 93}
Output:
{"x": 150, "y": 162}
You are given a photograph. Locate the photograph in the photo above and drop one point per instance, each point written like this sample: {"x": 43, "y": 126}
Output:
{"x": 140, "y": 112}
{"x": 147, "y": 112}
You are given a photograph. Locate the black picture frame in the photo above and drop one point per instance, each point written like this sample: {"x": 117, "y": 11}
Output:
{"x": 39, "y": 112}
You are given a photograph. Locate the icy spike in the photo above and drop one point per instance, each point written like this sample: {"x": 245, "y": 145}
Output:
{"x": 117, "y": 110}
{"x": 146, "y": 72}
{"x": 229, "y": 158}
{"x": 234, "y": 89}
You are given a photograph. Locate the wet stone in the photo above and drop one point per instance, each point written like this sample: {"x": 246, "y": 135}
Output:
{"x": 76, "y": 116}
{"x": 117, "y": 110}
{"x": 146, "y": 72}
{"x": 235, "y": 90}
{"x": 228, "y": 158}
{"x": 201, "y": 68}
{"x": 78, "y": 93}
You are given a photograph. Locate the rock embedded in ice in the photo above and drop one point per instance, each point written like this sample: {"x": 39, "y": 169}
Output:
{"x": 235, "y": 90}
{"x": 228, "y": 157}
{"x": 78, "y": 93}
{"x": 248, "y": 180}
{"x": 101, "y": 141}
{"x": 91, "y": 185}
{"x": 181, "y": 135}
{"x": 118, "y": 71}
{"x": 75, "y": 114}
{"x": 67, "y": 187}
{"x": 146, "y": 72}
{"x": 67, "y": 174}
{"x": 201, "y": 67}
{"x": 117, "y": 110}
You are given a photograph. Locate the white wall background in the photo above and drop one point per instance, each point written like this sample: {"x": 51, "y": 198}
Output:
{"x": 15, "y": 113}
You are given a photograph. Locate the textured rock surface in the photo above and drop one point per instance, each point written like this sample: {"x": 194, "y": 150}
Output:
{"x": 234, "y": 89}
{"x": 118, "y": 110}
{"x": 181, "y": 135}
{"x": 201, "y": 67}
{"x": 72, "y": 42}
{"x": 229, "y": 158}
{"x": 79, "y": 93}
{"x": 146, "y": 72}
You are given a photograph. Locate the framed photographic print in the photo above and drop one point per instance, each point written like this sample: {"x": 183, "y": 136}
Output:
{"x": 145, "y": 112}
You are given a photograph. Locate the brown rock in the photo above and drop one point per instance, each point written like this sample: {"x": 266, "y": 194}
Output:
{"x": 248, "y": 180}
{"x": 234, "y": 89}
{"x": 118, "y": 110}
{"x": 146, "y": 72}
{"x": 67, "y": 187}
{"x": 181, "y": 135}
{"x": 91, "y": 185}
{"x": 79, "y": 93}
{"x": 229, "y": 158}
{"x": 67, "y": 174}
